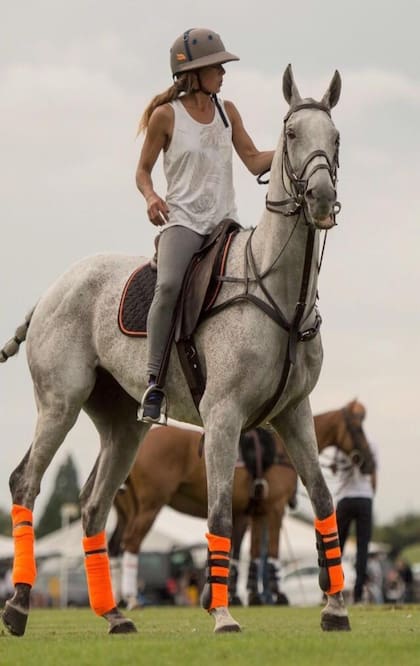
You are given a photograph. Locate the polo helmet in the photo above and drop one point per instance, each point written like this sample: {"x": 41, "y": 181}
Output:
{"x": 198, "y": 47}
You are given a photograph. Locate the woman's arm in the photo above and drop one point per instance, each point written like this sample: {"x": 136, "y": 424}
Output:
{"x": 255, "y": 160}
{"x": 158, "y": 135}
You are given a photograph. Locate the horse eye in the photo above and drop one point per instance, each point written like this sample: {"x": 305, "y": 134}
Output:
{"x": 291, "y": 134}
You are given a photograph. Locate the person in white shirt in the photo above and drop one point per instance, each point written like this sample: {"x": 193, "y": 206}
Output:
{"x": 354, "y": 504}
{"x": 195, "y": 130}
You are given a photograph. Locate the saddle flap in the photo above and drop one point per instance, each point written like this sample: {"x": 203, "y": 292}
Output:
{"x": 206, "y": 263}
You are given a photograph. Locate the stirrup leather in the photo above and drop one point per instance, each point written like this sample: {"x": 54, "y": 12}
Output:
{"x": 163, "y": 417}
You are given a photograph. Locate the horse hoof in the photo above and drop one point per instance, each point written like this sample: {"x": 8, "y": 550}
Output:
{"x": 228, "y": 628}
{"x": 331, "y": 622}
{"x": 124, "y": 626}
{"x": 224, "y": 621}
{"x": 14, "y": 620}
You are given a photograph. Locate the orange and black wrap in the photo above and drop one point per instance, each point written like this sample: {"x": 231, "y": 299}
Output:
{"x": 98, "y": 573}
{"x": 215, "y": 593}
{"x": 331, "y": 577}
{"x": 24, "y": 567}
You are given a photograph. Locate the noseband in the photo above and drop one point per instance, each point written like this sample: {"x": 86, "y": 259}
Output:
{"x": 299, "y": 184}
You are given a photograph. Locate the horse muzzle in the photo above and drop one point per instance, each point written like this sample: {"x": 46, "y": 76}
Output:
{"x": 322, "y": 205}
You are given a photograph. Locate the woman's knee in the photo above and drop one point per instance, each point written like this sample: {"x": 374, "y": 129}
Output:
{"x": 167, "y": 292}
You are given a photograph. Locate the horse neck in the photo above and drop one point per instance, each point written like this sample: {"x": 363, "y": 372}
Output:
{"x": 271, "y": 235}
{"x": 328, "y": 429}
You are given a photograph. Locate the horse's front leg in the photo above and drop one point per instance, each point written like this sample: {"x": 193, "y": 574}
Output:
{"x": 221, "y": 447}
{"x": 296, "y": 426}
{"x": 239, "y": 528}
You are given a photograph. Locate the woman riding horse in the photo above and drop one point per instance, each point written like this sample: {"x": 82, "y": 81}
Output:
{"x": 260, "y": 354}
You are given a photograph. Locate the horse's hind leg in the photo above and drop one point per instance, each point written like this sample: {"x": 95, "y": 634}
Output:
{"x": 274, "y": 522}
{"x": 54, "y": 421}
{"x": 120, "y": 435}
{"x": 296, "y": 426}
{"x": 258, "y": 523}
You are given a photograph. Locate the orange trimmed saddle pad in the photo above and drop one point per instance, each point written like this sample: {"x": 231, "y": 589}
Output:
{"x": 199, "y": 291}
{"x": 135, "y": 301}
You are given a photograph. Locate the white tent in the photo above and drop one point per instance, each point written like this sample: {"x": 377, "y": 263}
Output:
{"x": 171, "y": 529}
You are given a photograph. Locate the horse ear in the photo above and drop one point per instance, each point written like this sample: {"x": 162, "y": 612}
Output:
{"x": 290, "y": 91}
{"x": 332, "y": 95}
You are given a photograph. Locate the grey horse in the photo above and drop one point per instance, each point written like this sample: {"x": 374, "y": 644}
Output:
{"x": 261, "y": 355}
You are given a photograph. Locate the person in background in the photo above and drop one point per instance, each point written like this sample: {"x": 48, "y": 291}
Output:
{"x": 354, "y": 496}
{"x": 195, "y": 131}
{"x": 406, "y": 573}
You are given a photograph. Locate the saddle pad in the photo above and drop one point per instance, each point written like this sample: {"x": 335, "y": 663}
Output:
{"x": 136, "y": 300}
{"x": 139, "y": 290}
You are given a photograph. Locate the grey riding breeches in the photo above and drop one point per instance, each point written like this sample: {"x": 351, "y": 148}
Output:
{"x": 176, "y": 247}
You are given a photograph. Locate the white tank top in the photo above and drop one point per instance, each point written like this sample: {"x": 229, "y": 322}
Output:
{"x": 198, "y": 170}
{"x": 350, "y": 480}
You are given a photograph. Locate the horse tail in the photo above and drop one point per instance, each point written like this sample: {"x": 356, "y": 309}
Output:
{"x": 12, "y": 346}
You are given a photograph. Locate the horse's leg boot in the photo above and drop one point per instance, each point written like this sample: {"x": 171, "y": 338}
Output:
{"x": 214, "y": 597}
{"x": 331, "y": 576}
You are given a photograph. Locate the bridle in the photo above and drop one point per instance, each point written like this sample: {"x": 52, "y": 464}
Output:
{"x": 298, "y": 182}
{"x": 359, "y": 456}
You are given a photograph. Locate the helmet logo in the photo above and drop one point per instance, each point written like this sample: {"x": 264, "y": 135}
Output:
{"x": 181, "y": 57}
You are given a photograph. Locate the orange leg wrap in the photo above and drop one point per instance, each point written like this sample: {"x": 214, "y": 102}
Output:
{"x": 98, "y": 573}
{"x": 218, "y": 566}
{"x": 331, "y": 577}
{"x": 24, "y": 567}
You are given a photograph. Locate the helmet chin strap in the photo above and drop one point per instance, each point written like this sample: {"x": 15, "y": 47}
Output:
{"x": 213, "y": 96}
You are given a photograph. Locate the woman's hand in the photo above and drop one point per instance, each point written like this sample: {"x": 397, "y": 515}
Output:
{"x": 157, "y": 210}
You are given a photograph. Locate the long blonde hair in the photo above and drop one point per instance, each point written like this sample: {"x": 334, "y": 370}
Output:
{"x": 183, "y": 85}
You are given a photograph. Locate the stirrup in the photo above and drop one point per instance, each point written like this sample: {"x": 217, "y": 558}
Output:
{"x": 162, "y": 419}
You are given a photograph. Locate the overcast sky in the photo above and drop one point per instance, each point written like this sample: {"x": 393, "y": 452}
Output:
{"x": 75, "y": 78}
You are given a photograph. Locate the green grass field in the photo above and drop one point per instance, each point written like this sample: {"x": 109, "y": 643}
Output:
{"x": 182, "y": 636}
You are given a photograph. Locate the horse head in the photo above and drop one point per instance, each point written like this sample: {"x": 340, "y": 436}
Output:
{"x": 310, "y": 145}
{"x": 354, "y": 441}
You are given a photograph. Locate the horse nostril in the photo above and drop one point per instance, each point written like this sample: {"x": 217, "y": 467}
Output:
{"x": 310, "y": 194}
{"x": 356, "y": 457}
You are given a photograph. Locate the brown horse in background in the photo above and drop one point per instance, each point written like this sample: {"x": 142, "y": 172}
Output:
{"x": 169, "y": 471}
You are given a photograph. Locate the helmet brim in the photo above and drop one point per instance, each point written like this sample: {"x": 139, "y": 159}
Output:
{"x": 214, "y": 59}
